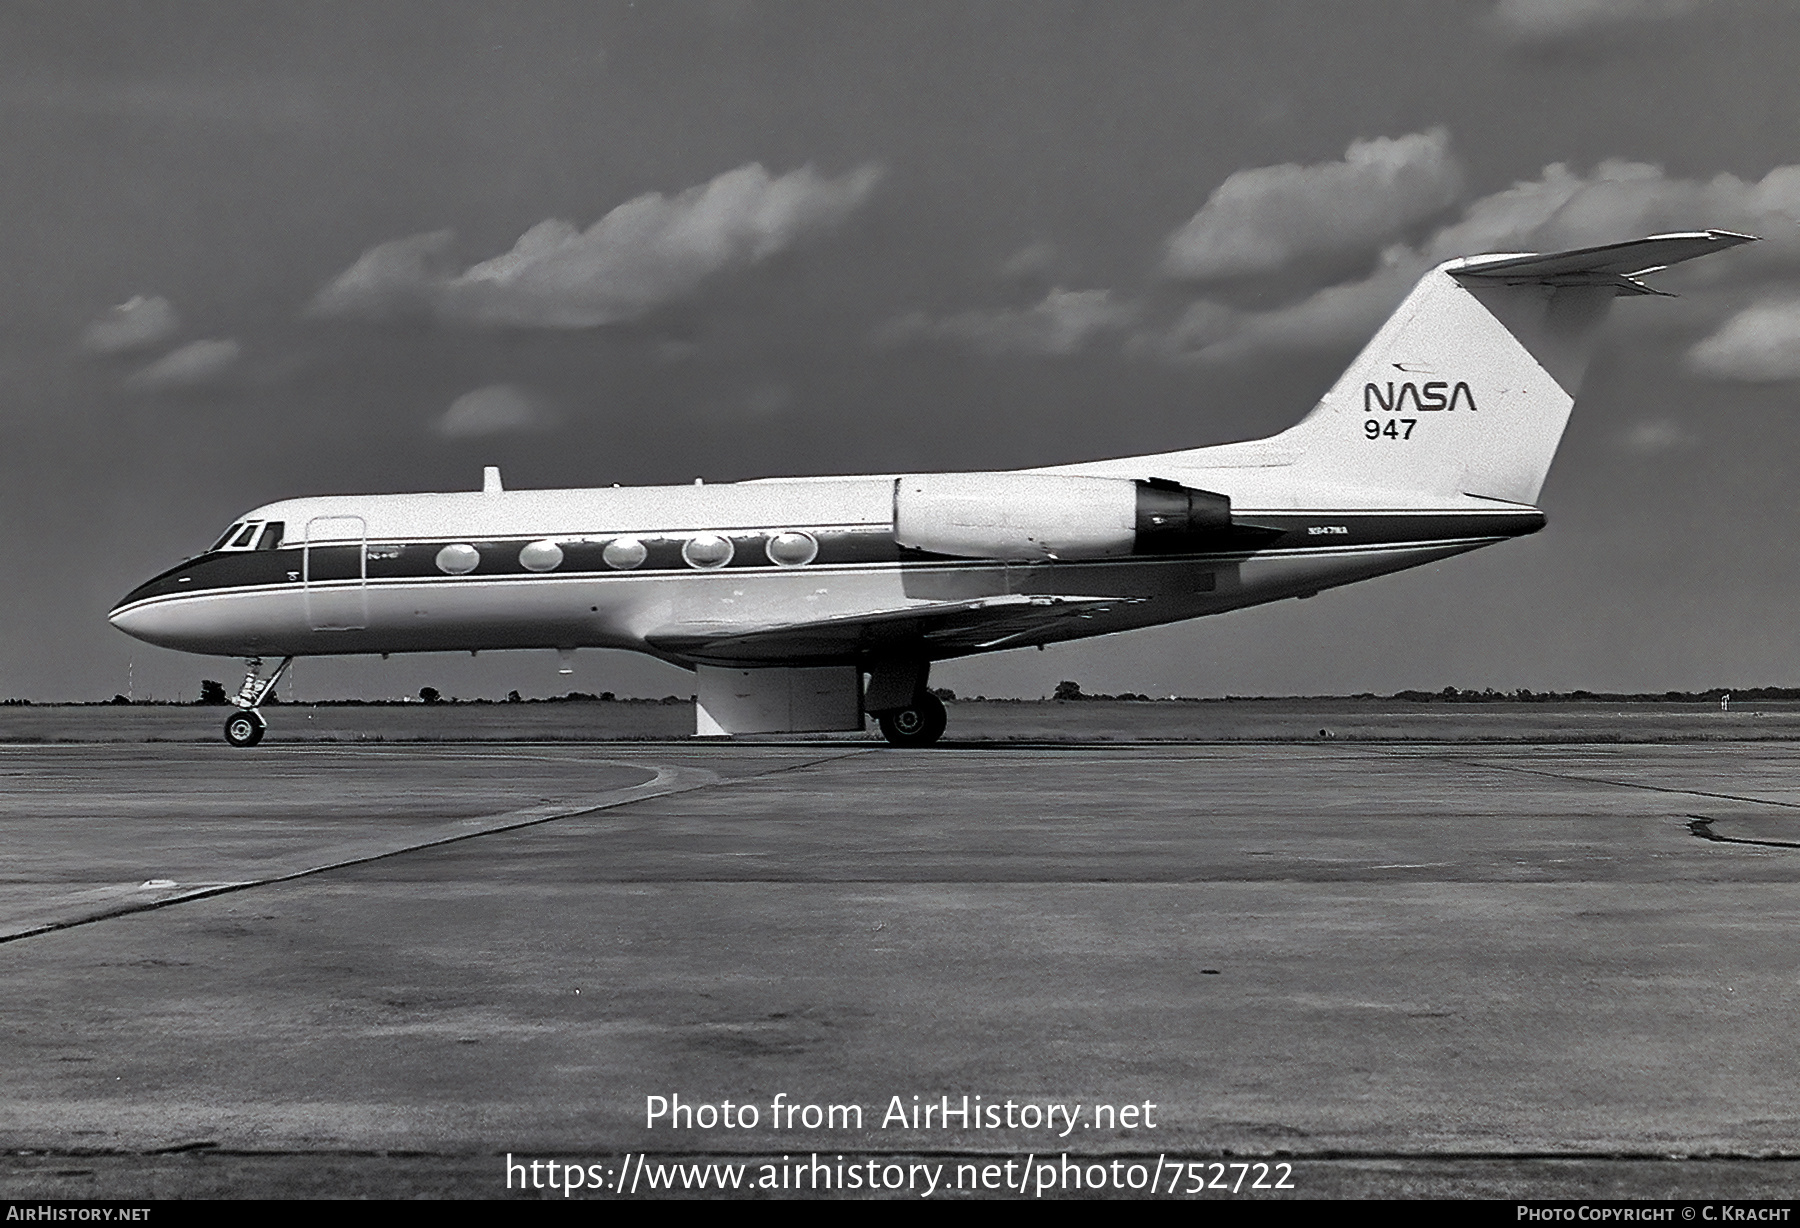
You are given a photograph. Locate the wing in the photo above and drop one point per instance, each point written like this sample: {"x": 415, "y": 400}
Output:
{"x": 946, "y": 628}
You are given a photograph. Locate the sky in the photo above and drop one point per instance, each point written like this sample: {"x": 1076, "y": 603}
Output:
{"x": 264, "y": 250}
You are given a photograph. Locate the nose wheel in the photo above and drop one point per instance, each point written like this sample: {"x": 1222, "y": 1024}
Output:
{"x": 246, "y": 726}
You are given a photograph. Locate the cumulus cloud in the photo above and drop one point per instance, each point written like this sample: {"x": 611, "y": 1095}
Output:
{"x": 1562, "y": 208}
{"x": 497, "y": 409}
{"x": 1760, "y": 344}
{"x": 647, "y": 252}
{"x": 194, "y": 365}
{"x": 1336, "y": 317}
{"x": 1621, "y": 200}
{"x": 139, "y": 324}
{"x": 1064, "y": 322}
{"x": 1553, "y": 20}
{"x": 1262, "y": 219}
{"x": 391, "y": 279}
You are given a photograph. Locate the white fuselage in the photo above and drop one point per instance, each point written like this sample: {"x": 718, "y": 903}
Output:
{"x": 532, "y": 569}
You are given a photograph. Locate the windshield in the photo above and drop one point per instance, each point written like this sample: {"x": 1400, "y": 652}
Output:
{"x": 250, "y": 535}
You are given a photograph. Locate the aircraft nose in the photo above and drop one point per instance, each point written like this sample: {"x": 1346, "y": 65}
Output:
{"x": 148, "y": 588}
{"x": 164, "y": 623}
{"x": 180, "y": 609}
{"x": 140, "y": 622}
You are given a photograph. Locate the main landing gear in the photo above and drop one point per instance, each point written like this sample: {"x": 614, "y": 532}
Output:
{"x": 246, "y": 726}
{"x": 899, "y": 697}
{"x": 920, "y": 723}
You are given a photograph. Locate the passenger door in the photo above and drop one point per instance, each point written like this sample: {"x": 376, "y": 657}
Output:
{"x": 335, "y": 573}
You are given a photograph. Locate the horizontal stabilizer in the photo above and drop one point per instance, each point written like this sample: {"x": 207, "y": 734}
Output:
{"x": 1618, "y": 265}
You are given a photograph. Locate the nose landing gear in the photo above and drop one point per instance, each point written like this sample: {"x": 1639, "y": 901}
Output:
{"x": 245, "y": 727}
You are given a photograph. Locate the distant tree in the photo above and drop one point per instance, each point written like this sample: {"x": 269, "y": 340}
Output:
{"x": 119, "y": 699}
{"x": 944, "y": 693}
{"x": 513, "y": 697}
{"x": 1068, "y": 690}
{"x": 431, "y": 695}
{"x": 211, "y": 692}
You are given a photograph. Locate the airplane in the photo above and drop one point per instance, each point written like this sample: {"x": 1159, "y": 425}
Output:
{"x": 806, "y": 604}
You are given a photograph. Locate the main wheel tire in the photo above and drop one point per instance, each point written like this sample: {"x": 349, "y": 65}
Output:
{"x": 244, "y": 728}
{"x": 921, "y": 724}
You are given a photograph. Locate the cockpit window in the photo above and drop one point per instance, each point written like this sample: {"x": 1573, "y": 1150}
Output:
{"x": 251, "y": 535}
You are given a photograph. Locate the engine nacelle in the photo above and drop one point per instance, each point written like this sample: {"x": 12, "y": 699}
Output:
{"x": 1033, "y": 517}
{"x": 1172, "y": 518}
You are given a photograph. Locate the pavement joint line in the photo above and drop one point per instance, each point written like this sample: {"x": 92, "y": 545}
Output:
{"x": 1619, "y": 784}
{"x": 644, "y": 792}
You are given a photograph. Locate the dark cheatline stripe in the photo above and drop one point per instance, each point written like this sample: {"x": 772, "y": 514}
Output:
{"x": 1267, "y": 534}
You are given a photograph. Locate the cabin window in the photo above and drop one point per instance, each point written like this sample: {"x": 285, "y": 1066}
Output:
{"x": 271, "y": 537}
{"x": 707, "y": 551}
{"x": 541, "y": 556}
{"x": 792, "y": 549}
{"x": 624, "y": 553}
{"x": 458, "y": 560}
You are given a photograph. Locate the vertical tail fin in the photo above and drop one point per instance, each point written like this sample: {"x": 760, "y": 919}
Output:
{"x": 1467, "y": 387}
